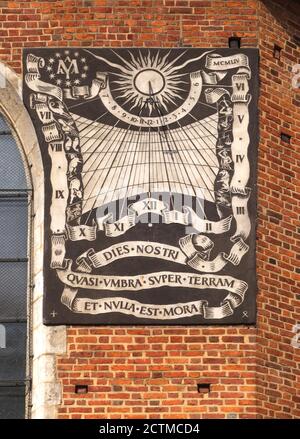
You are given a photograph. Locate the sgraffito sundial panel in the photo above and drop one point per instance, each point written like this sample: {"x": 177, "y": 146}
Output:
{"x": 150, "y": 183}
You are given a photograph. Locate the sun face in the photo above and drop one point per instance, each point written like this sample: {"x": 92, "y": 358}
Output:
{"x": 149, "y": 82}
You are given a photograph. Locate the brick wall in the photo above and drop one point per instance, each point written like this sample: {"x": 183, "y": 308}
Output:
{"x": 154, "y": 371}
{"x": 278, "y": 375}
{"x": 122, "y": 23}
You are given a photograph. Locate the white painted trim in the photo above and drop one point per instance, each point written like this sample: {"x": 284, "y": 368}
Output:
{"x": 47, "y": 342}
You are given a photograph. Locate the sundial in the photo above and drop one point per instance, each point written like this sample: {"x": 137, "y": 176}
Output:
{"x": 149, "y": 160}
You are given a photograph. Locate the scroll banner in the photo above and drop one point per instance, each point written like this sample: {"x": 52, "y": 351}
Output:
{"x": 153, "y": 206}
{"x": 212, "y": 95}
{"x": 212, "y": 78}
{"x": 41, "y": 110}
{"x": 114, "y": 108}
{"x": 241, "y": 214}
{"x": 82, "y": 232}
{"x": 32, "y": 78}
{"x": 142, "y": 310}
{"x": 72, "y": 281}
{"x": 59, "y": 188}
{"x": 218, "y": 62}
{"x": 59, "y": 204}
{"x": 239, "y": 148}
{"x": 58, "y": 251}
{"x": 187, "y": 254}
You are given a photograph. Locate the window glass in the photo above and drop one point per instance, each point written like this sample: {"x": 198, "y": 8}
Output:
{"x": 12, "y": 402}
{"x": 12, "y": 173}
{"x": 13, "y": 277}
{"x": 13, "y": 227}
{"x": 13, "y": 286}
{"x": 12, "y": 359}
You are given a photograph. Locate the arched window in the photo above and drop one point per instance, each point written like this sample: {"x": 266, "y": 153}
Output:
{"x": 14, "y": 213}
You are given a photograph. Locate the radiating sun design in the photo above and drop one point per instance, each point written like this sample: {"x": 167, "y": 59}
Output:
{"x": 149, "y": 81}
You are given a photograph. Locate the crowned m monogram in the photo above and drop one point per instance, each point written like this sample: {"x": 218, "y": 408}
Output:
{"x": 67, "y": 67}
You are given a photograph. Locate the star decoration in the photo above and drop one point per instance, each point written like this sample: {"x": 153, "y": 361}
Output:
{"x": 67, "y": 68}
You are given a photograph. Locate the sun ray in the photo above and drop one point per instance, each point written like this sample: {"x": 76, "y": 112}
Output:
{"x": 134, "y": 61}
{"x": 123, "y": 59}
{"x": 117, "y": 66}
{"x": 170, "y": 64}
{"x": 181, "y": 66}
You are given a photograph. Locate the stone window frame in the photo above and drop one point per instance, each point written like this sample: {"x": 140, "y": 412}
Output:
{"x": 45, "y": 342}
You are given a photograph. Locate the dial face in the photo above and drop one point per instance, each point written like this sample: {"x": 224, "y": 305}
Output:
{"x": 149, "y": 157}
{"x": 149, "y": 82}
